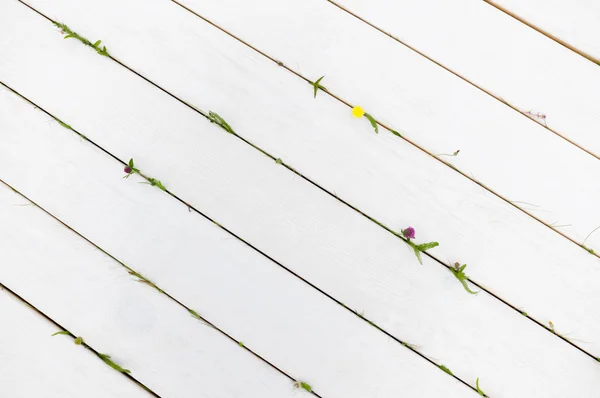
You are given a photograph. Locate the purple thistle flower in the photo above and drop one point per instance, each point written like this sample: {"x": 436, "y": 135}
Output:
{"x": 127, "y": 170}
{"x": 409, "y": 233}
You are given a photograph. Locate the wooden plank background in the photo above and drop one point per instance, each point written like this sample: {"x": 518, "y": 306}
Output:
{"x": 297, "y": 263}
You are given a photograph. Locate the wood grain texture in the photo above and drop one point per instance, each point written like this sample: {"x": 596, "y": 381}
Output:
{"x": 505, "y": 57}
{"x": 520, "y": 160}
{"x": 271, "y": 311}
{"x": 310, "y": 232}
{"x": 93, "y": 296}
{"x": 574, "y": 22}
{"x": 507, "y": 252}
{"x": 35, "y": 364}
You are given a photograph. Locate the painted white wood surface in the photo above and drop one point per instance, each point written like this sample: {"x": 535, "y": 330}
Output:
{"x": 34, "y": 364}
{"x": 507, "y": 152}
{"x": 92, "y": 296}
{"x": 500, "y": 54}
{"x": 327, "y": 243}
{"x": 274, "y": 313}
{"x": 380, "y": 175}
{"x": 574, "y": 22}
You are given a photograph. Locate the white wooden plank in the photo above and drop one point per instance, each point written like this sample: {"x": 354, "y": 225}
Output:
{"x": 574, "y": 22}
{"x": 438, "y": 111}
{"x": 272, "y": 312}
{"x": 34, "y": 364}
{"x": 92, "y": 296}
{"x": 505, "y": 57}
{"x": 328, "y": 244}
{"x": 382, "y": 176}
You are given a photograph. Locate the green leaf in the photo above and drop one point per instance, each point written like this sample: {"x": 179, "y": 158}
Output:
{"x": 479, "y": 389}
{"x": 373, "y": 122}
{"x": 278, "y": 161}
{"x": 130, "y": 163}
{"x": 69, "y": 36}
{"x": 445, "y": 369}
{"x": 317, "y": 86}
{"x": 426, "y": 246}
{"x": 396, "y": 133}
{"x": 95, "y": 45}
{"x": 219, "y": 121}
{"x": 61, "y": 332}
{"x": 109, "y": 362}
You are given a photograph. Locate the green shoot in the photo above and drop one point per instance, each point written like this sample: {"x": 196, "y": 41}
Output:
{"x": 408, "y": 345}
{"x": 130, "y": 169}
{"x": 197, "y": 316}
{"x": 445, "y": 369}
{"x": 301, "y": 384}
{"x": 397, "y": 134}
{"x": 156, "y": 183}
{"x": 109, "y": 362}
{"x": 79, "y": 341}
{"x": 455, "y": 153}
{"x": 278, "y": 161}
{"x": 479, "y": 389}
{"x": 459, "y": 272}
{"x": 418, "y": 249}
{"x": 65, "y": 125}
{"x": 591, "y": 251}
{"x": 144, "y": 280}
{"x": 317, "y": 86}
{"x": 219, "y": 121}
{"x": 61, "y": 332}
{"x": 373, "y": 122}
{"x": 241, "y": 344}
{"x": 524, "y": 313}
{"x": 70, "y": 34}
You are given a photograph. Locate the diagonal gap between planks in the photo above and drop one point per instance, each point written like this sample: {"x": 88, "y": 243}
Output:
{"x": 57, "y": 324}
{"x": 323, "y": 189}
{"x": 333, "y": 95}
{"x": 354, "y": 312}
{"x": 500, "y": 99}
{"x": 196, "y": 315}
{"x": 543, "y": 32}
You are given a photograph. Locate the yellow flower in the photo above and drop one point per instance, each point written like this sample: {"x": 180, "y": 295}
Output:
{"x": 357, "y": 111}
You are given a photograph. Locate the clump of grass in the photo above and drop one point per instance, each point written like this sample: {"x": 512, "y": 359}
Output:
{"x": 459, "y": 272}
{"x": 70, "y": 34}
{"x": 63, "y": 124}
{"x": 197, "y": 316}
{"x": 144, "y": 280}
{"x": 445, "y": 369}
{"x": 278, "y": 161}
{"x": 479, "y": 391}
{"x": 219, "y": 121}
{"x": 317, "y": 86}
{"x": 155, "y": 183}
{"x": 109, "y": 362}
{"x": 303, "y": 385}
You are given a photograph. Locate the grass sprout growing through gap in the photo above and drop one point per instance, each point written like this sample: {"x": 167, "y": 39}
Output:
{"x": 219, "y": 121}
{"x": 155, "y": 183}
{"x": 70, "y": 34}
{"x": 197, "y": 316}
{"x": 144, "y": 280}
{"x": 409, "y": 233}
{"x": 303, "y": 385}
{"x": 445, "y": 369}
{"x": 479, "y": 391}
{"x": 317, "y": 86}
{"x": 109, "y": 362}
{"x": 459, "y": 272}
{"x": 61, "y": 332}
{"x": 591, "y": 251}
